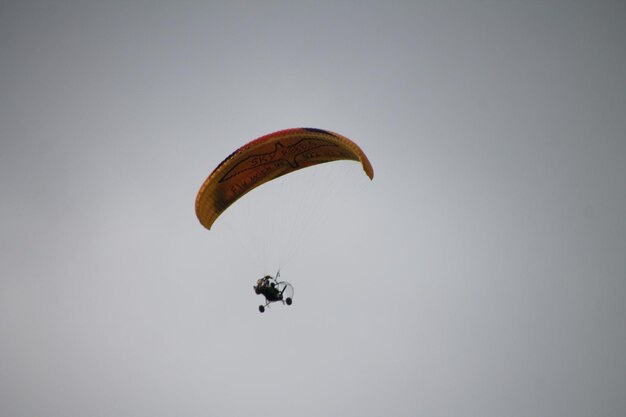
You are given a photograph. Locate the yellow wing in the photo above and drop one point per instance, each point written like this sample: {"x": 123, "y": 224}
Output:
{"x": 267, "y": 158}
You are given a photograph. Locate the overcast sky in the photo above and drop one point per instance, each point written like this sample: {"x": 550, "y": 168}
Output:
{"x": 481, "y": 273}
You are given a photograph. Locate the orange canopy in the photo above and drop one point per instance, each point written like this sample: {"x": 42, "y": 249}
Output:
{"x": 267, "y": 158}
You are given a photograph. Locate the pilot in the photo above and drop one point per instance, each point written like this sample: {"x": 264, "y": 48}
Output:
{"x": 266, "y": 287}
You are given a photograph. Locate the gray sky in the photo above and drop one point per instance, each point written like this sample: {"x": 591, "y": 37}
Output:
{"x": 481, "y": 273}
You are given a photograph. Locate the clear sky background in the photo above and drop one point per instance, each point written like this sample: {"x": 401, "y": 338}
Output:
{"x": 481, "y": 273}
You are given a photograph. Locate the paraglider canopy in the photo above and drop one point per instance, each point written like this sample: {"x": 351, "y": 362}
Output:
{"x": 267, "y": 158}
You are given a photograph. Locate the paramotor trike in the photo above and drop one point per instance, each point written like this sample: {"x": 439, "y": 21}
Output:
{"x": 274, "y": 291}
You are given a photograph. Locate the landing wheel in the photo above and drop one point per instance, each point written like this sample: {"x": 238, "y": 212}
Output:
{"x": 288, "y": 301}
{"x": 261, "y": 309}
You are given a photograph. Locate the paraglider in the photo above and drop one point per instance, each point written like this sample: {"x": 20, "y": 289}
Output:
{"x": 268, "y": 158}
{"x": 263, "y": 160}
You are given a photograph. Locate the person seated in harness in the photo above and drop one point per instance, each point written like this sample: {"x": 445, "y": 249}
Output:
{"x": 267, "y": 287}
